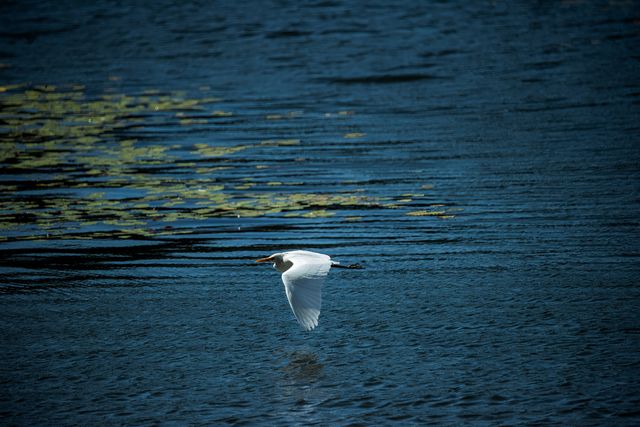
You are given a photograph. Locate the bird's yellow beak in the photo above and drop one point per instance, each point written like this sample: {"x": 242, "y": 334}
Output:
{"x": 267, "y": 259}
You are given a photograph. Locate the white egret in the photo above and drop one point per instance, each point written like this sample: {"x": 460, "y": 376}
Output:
{"x": 303, "y": 274}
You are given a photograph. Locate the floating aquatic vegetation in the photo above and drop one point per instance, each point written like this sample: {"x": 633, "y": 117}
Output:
{"x": 439, "y": 214}
{"x": 288, "y": 115}
{"x": 206, "y": 150}
{"x": 104, "y": 166}
{"x": 220, "y": 113}
{"x": 281, "y": 142}
{"x": 353, "y": 135}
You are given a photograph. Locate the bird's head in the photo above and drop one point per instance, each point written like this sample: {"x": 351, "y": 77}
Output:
{"x": 271, "y": 258}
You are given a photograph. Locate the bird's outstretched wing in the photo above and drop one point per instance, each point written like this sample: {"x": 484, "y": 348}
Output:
{"x": 303, "y": 285}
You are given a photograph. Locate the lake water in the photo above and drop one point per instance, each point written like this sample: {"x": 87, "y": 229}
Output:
{"x": 480, "y": 160}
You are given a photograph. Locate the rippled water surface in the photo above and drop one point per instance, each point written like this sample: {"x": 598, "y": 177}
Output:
{"x": 480, "y": 160}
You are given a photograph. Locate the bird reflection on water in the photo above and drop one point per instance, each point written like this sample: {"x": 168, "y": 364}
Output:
{"x": 300, "y": 376}
{"x": 303, "y": 366}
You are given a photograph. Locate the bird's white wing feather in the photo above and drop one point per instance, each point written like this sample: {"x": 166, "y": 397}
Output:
{"x": 303, "y": 285}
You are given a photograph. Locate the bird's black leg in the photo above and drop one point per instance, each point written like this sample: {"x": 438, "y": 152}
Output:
{"x": 352, "y": 266}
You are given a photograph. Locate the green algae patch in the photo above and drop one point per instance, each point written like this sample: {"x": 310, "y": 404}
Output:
{"x": 318, "y": 214}
{"x": 280, "y": 142}
{"x": 49, "y": 127}
{"x": 116, "y": 165}
{"x": 283, "y": 116}
{"x": 220, "y": 113}
{"x": 354, "y": 135}
{"x": 206, "y": 150}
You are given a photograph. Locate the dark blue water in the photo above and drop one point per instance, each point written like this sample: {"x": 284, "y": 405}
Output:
{"x": 480, "y": 160}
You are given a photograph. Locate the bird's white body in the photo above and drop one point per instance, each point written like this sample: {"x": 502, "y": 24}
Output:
{"x": 303, "y": 274}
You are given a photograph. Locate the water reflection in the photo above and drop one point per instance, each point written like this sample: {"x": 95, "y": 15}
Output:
{"x": 303, "y": 366}
{"x": 300, "y": 374}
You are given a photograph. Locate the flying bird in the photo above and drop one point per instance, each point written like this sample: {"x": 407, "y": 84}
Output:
{"x": 303, "y": 274}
